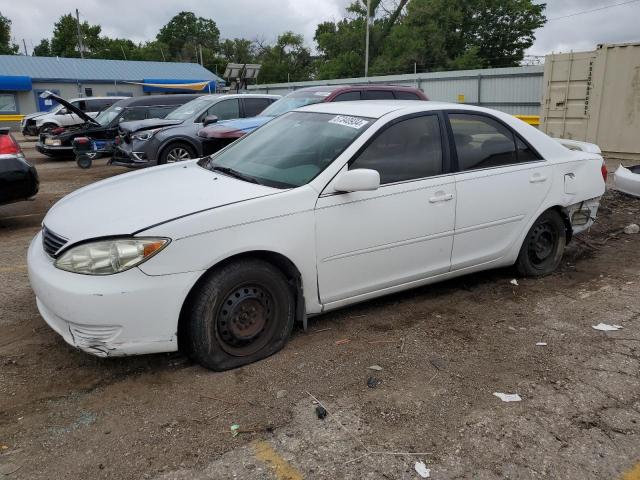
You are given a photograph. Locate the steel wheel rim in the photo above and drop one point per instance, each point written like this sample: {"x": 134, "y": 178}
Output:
{"x": 245, "y": 319}
{"x": 178, "y": 155}
{"x": 543, "y": 243}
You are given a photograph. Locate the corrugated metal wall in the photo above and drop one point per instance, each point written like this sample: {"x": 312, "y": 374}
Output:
{"x": 516, "y": 90}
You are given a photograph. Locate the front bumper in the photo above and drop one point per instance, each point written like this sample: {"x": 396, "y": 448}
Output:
{"x": 124, "y": 156}
{"x": 51, "y": 151}
{"x": 128, "y": 313}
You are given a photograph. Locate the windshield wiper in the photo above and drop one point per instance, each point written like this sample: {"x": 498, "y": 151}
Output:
{"x": 234, "y": 173}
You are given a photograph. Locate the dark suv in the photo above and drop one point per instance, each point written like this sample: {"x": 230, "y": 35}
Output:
{"x": 58, "y": 143}
{"x": 220, "y": 134}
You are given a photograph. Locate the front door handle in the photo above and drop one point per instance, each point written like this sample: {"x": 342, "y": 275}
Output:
{"x": 537, "y": 178}
{"x": 443, "y": 197}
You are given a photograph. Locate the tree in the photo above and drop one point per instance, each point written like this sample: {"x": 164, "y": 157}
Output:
{"x": 43, "y": 49}
{"x": 64, "y": 42}
{"x": 288, "y": 59}
{"x": 7, "y": 47}
{"x": 185, "y": 33}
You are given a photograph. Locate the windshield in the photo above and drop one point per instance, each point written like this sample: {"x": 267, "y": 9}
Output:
{"x": 191, "y": 108}
{"x": 107, "y": 116}
{"x": 290, "y": 150}
{"x": 292, "y": 101}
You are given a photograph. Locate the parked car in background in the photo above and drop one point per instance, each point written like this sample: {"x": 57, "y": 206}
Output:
{"x": 58, "y": 143}
{"x": 174, "y": 138}
{"x": 223, "y": 133}
{"x": 61, "y": 116}
{"x": 323, "y": 207}
{"x": 18, "y": 178}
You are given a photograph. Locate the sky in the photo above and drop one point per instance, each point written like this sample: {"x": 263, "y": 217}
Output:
{"x": 139, "y": 20}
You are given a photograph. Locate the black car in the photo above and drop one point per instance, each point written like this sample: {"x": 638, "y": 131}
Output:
{"x": 58, "y": 143}
{"x": 173, "y": 139}
{"x": 18, "y": 178}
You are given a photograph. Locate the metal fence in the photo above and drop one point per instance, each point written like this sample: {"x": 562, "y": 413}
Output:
{"x": 516, "y": 90}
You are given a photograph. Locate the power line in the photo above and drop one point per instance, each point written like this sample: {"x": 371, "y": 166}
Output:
{"x": 593, "y": 10}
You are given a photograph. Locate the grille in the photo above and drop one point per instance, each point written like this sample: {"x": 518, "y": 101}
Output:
{"x": 51, "y": 242}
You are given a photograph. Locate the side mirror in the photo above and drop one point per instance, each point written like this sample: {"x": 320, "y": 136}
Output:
{"x": 63, "y": 111}
{"x": 358, "y": 180}
{"x": 209, "y": 119}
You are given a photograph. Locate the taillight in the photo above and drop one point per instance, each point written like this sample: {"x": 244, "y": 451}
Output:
{"x": 8, "y": 146}
{"x": 605, "y": 172}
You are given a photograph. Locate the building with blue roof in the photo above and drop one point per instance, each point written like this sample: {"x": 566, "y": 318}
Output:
{"x": 24, "y": 78}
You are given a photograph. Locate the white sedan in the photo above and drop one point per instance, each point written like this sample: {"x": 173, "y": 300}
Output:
{"x": 323, "y": 207}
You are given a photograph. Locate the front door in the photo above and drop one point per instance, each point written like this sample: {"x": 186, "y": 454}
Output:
{"x": 399, "y": 233}
{"x": 501, "y": 182}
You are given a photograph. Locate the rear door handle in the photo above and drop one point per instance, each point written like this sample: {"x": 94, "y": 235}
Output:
{"x": 445, "y": 197}
{"x": 537, "y": 178}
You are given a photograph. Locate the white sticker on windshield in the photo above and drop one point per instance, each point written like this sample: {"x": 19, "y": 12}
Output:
{"x": 118, "y": 109}
{"x": 322, "y": 94}
{"x": 352, "y": 122}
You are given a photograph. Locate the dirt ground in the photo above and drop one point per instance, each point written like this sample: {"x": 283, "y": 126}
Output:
{"x": 444, "y": 350}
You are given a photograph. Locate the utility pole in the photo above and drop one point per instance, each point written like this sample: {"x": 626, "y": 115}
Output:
{"x": 25, "y": 47}
{"x": 123, "y": 54}
{"x": 366, "y": 54}
{"x": 162, "y": 52}
{"x": 80, "y": 46}
{"x": 201, "y": 59}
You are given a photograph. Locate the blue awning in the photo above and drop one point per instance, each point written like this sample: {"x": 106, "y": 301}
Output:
{"x": 15, "y": 83}
{"x": 156, "y": 85}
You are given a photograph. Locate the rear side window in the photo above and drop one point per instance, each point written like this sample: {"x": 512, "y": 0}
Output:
{"x": 347, "y": 96}
{"x": 482, "y": 142}
{"x": 400, "y": 95}
{"x": 408, "y": 150}
{"x": 377, "y": 95}
{"x": 225, "y": 110}
{"x": 253, "y": 106}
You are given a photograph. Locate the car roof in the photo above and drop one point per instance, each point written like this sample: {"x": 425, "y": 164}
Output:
{"x": 114, "y": 98}
{"x": 250, "y": 95}
{"x": 379, "y": 108}
{"x": 367, "y": 86}
{"x": 156, "y": 100}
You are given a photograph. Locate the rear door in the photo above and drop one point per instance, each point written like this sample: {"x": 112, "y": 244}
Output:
{"x": 500, "y": 183}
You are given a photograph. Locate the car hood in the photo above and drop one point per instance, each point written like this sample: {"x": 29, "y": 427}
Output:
{"x": 245, "y": 125}
{"x": 70, "y": 107}
{"x": 137, "y": 125}
{"x": 133, "y": 202}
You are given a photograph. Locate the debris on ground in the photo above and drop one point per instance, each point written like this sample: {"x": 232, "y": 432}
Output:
{"x": 422, "y": 470}
{"x": 508, "y": 397}
{"x": 375, "y": 367}
{"x": 541, "y": 344}
{"x": 321, "y": 412}
{"x": 632, "y": 229}
{"x": 235, "y": 429}
{"x": 343, "y": 341}
{"x": 603, "y": 327}
{"x": 514, "y": 282}
{"x": 438, "y": 363}
{"x": 373, "y": 382}
{"x": 281, "y": 393}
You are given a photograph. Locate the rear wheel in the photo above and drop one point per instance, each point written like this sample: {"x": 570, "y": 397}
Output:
{"x": 241, "y": 313}
{"x": 177, "y": 152}
{"x": 542, "y": 249}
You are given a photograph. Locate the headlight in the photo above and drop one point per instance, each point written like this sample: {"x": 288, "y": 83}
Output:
{"x": 145, "y": 134}
{"x": 110, "y": 256}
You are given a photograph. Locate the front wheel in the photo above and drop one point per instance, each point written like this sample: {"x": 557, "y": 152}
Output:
{"x": 241, "y": 313}
{"x": 176, "y": 152}
{"x": 542, "y": 249}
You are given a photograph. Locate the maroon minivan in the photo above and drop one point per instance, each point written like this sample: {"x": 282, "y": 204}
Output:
{"x": 216, "y": 135}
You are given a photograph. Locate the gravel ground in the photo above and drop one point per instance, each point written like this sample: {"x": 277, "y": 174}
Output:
{"x": 443, "y": 349}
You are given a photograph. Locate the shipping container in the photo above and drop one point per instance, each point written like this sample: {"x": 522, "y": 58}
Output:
{"x": 595, "y": 97}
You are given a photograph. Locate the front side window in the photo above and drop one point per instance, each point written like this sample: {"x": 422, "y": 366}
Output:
{"x": 225, "y": 110}
{"x": 407, "y": 150}
{"x": 290, "y": 150}
{"x": 482, "y": 142}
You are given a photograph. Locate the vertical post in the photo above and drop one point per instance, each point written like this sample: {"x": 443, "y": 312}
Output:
{"x": 80, "y": 46}
{"x": 201, "y": 59}
{"x": 25, "y": 47}
{"x": 123, "y": 54}
{"x": 415, "y": 73}
{"x": 366, "y": 47}
{"x": 162, "y": 52}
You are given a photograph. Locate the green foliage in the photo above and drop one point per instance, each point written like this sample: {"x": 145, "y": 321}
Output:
{"x": 64, "y": 42}
{"x": 7, "y": 47}
{"x": 288, "y": 58}
{"x": 185, "y": 33}
{"x": 43, "y": 49}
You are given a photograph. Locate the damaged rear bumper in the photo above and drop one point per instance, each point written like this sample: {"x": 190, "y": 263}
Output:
{"x": 129, "y": 313}
{"x": 582, "y": 215}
